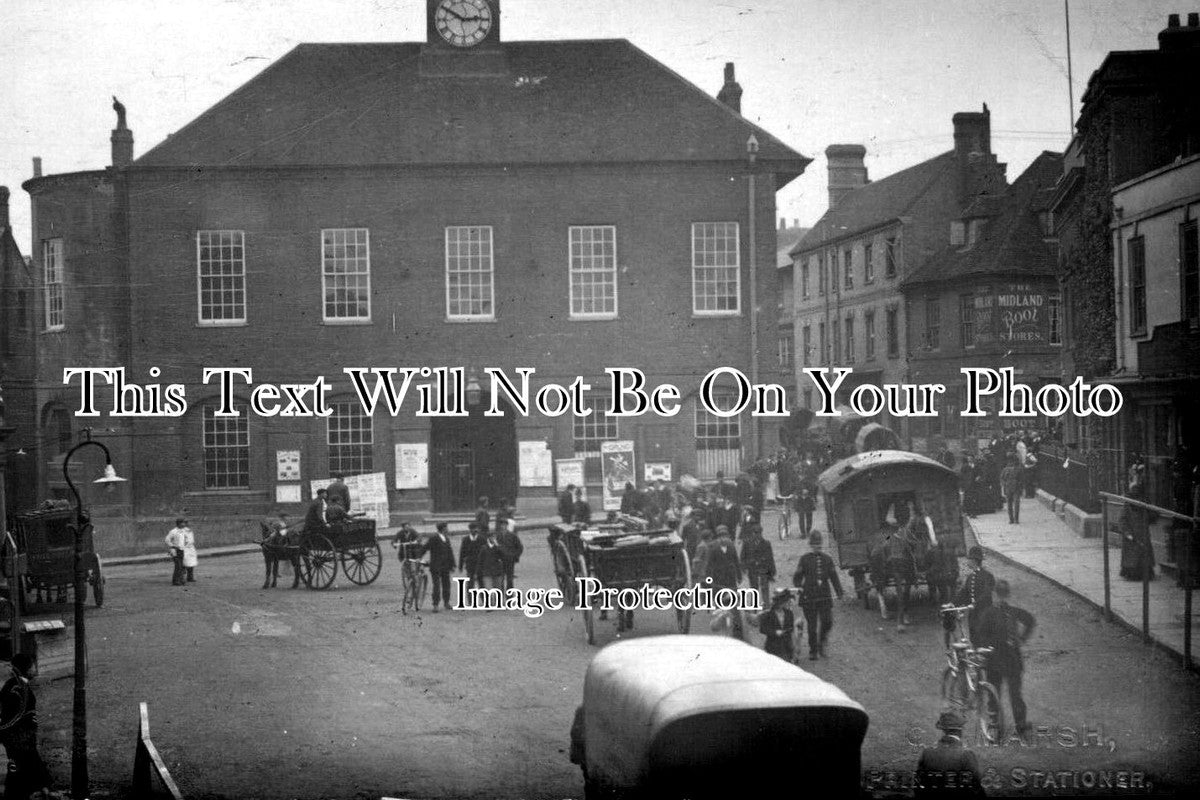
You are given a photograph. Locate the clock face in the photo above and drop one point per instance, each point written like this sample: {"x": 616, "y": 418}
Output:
{"x": 463, "y": 23}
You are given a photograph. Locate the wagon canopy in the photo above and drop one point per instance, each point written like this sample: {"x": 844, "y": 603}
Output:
{"x": 657, "y": 706}
{"x": 846, "y": 471}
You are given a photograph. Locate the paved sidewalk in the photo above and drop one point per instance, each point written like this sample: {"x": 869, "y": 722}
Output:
{"x": 1044, "y": 544}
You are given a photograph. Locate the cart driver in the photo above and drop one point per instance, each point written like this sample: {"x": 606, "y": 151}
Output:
{"x": 314, "y": 520}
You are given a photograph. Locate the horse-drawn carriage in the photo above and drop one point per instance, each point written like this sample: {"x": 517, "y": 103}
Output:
{"x": 621, "y": 555}
{"x": 40, "y": 554}
{"x": 314, "y": 555}
{"x": 897, "y": 520}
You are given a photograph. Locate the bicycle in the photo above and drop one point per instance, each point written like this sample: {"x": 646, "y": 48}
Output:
{"x": 963, "y": 683}
{"x": 414, "y": 576}
{"x": 784, "y": 527}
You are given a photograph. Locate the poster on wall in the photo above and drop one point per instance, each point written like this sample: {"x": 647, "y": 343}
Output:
{"x": 287, "y": 493}
{"x": 412, "y": 465}
{"x": 287, "y": 466}
{"x": 657, "y": 471}
{"x": 568, "y": 472}
{"x": 535, "y": 464}
{"x": 368, "y": 495}
{"x": 617, "y": 469}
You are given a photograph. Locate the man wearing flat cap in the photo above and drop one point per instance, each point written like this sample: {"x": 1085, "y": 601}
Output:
{"x": 777, "y": 624}
{"x": 949, "y": 769}
{"x": 976, "y": 589}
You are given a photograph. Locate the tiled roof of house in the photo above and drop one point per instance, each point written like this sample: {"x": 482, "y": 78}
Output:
{"x": 597, "y": 101}
{"x": 877, "y": 203}
{"x": 1012, "y": 243}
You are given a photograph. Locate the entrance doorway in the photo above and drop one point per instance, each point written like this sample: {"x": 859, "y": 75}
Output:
{"x": 471, "y": 457}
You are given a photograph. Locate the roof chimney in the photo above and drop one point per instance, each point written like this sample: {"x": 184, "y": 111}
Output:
{"x": 122, "y": 138}
{"x": 37, "y": 166}
{"x": 3, "y": 207}
{"x": 731, "y": 92}
{"x": 977, "y": 167}
{"x": 846, "y": 170}
{"x": 1180, "y": 37}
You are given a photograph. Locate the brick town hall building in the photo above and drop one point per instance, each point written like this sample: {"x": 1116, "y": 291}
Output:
{"x": 463, "y": 202}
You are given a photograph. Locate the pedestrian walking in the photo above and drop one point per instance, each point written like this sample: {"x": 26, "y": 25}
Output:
{"x": 817, "y": 580}
{"x": 758, "y": 559}
{"x": 175, "y": 540}
{"x": 976, "y": 590}
{"x": 725, "y": 569}
{"x": 566, "y": 504}
{"x": 441, "y": 564}
{"x": 468, "y": 553}
{"x": 510, "y": 544}
{"x": 1005, "y": 628}
{"x": 1010, "y": 485}
{"x": 949, "y": 769}
{"x": 778, "y": 624}
{"x": 27, "y": 772}
{"x": 806, "y": 503}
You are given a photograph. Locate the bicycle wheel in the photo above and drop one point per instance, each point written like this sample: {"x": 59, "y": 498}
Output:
{"x": 954, "y": 687}
{"x": 989, "y": 712}
{"x": 406, "y": 578}
{"x": 422, "y": 586}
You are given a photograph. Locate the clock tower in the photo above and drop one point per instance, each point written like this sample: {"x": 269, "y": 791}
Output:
{"x": 462, "y": 24}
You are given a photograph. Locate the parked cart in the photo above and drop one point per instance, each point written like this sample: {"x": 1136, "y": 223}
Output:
{"x": 621, "y": 555}
{"x": 352, "y": 542}
{"x": 45, "y": 544}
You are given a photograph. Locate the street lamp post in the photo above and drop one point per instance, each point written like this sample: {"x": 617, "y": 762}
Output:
{"x": 79, "y": 765}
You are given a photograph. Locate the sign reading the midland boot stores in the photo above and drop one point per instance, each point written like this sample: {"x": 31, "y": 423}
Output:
{"x": 1012, "y": 314}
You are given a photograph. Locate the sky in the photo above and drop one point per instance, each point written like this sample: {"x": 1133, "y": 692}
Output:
{"x": 888, "y": 74}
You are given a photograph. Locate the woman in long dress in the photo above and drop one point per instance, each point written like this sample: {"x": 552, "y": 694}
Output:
{"x": 1137, "y": 550}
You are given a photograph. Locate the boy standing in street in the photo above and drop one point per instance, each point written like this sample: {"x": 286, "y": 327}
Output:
{"x": 175, "y": 540}
{"x": 1005, "y": 628}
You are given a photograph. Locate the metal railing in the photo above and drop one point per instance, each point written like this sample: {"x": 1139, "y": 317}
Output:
{"x": 1186, "y": 565}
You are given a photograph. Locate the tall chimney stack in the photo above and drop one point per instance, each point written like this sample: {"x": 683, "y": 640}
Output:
{"x": 3, "y": 207}
{"x": 37, "y": 166}
{"x": 122, "y": 138}
{"x": 977, "y": 167}
{"x": 846, "y": 170}
{"x": 1180, "y": 37}
{"x": 731, "y": 92}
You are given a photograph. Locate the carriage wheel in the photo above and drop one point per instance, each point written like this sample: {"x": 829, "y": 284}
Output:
{"x": 320, "y": 562}
{"x": 589, "y": 618}
{"x": 563, "y": 571}
{"x": 362, "y": 563}
{"x": 97, "y": 581}
{"x": 683, "y": 618}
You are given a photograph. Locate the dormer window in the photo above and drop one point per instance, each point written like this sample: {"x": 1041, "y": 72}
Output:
{"x": 958, "y": 233}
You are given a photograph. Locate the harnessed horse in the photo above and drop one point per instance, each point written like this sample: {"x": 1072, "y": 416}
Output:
{"x": 279, "y": 544}
{"x": 900, "y": 555}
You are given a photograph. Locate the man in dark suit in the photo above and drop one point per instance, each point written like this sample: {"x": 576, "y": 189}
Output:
{"x": 314, "y": 520}
{"x": 949, "y": 769}
{"x": 510, "y": 543}
{"x": 725, "y": 569}
{"x": 19, "y": 733}
{"x": 490, "y": 566}
{"x": 778, "y": 624}
{"x": 338, "y": 492}
{"x": 441, "y": 564}
{"x": 566, "y": 504}
{"x": 468, "y": 553}
{"x": 976, "y": 590}
{"x": 817, "y": 579}
{"x": 1005, "y": 628}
